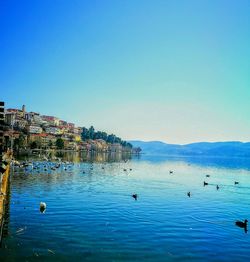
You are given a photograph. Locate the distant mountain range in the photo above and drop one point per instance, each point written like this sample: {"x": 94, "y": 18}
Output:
{"x": 232, "y": 148}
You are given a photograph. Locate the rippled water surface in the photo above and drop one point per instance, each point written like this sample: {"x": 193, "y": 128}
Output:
{"x": 91, "y": 215}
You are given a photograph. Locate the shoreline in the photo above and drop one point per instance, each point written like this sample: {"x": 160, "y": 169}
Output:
{"x": 3, "y": 197}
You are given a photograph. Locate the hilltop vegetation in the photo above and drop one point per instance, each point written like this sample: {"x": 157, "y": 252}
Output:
{"x": 90, "y": 133}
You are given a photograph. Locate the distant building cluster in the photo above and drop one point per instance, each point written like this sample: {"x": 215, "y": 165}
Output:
{"x": 31, "y": 130}
{"x": 41, "y": 130}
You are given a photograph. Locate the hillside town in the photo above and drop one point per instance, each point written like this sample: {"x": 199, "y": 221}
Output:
{"x": 31, "y": 131}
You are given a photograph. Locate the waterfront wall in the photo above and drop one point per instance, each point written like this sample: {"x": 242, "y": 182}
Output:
{"x": 3, "y": 196}
{"x": 1, "y": 126}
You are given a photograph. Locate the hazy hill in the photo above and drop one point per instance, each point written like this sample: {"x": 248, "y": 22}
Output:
{"x": 202, "y": 148}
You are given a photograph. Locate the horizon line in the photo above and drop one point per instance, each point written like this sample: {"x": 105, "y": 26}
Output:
{"x": 183, "y": 144}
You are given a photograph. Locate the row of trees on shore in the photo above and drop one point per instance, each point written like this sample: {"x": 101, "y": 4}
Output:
{"x": 90, "y": 133}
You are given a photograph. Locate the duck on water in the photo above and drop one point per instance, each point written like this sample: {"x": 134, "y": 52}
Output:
{"x": 135, "y": 196}
{"x": 242, "y": 224}
{"x": 42, "y": 207}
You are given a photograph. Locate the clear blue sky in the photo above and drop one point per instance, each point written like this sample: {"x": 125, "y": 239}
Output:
{"x": 176, "y": 71}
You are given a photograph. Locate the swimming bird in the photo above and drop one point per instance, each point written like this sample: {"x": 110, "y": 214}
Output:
{"x": 171, "y": 172}
{"x": 205, "y": 183}
{"x": 135, "y": 196}
{"x": 42, "y": 207}
{"x": 189, "y": 194}
{"x": 130, "y": 169}
{"x": 236, "y": 182}
{"x": 207, "y": 175}
{"x": 124, "y": 169}
{"x": 241, "y": 224}
{"x": 217, "y": 187}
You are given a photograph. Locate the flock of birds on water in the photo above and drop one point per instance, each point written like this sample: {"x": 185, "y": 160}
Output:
{"x": 242, "y": 224}
{"x": 66, "y": 165}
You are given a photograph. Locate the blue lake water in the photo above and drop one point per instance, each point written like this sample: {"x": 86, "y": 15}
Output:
{"x": 91, "y": 215}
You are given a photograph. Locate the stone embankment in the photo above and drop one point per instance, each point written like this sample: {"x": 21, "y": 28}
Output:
{"x": 4, "y": 185}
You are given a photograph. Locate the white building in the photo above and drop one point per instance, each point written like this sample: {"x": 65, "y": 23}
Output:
{"x": 37, "y": 119}
{"x": 77, "y": 130}
{"x": 33, "y": 117}
{"x": 52, "y": 130}
{"x": 51, "y": 120}
{"x": 10, "y": 118}
{"x": 33, "y": 129}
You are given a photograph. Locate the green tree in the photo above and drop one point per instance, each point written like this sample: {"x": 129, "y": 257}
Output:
{"x": 104, "y": 136}
{"x": 98, "y": 135}
{"x": 91, "y": 132}
{"x": 118, "y": 140}
{"x": 33, "y": 145}
{"x": 85, "y": 134}
{"x": 124, "y": 143}
{"x": 138, "y": 149}
{"x": 59, "y": 143}
{"x": 16, "y": 144}
{"x": 21, "y": 140}
{"x": 111, "y": 139}
{"x": 129, "y": 145}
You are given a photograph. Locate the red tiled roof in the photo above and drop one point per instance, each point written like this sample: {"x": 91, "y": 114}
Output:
{"x": 49, "y": 117}
{"x": 40, "y": 135}
{"x": 13, "y": 110}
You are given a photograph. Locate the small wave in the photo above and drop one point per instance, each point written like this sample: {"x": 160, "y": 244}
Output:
{"x": 221, "y": 222}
